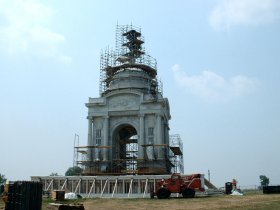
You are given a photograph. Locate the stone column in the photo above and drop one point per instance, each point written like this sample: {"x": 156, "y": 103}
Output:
{"x": 141, "y": 140}
{"x": 159, "y": 139}
{"x": 167, "y": 133}
{"x": 106, "y": 136}
{"x": 159, "y": 130}
{"x": 90, "y": 143}
{"x": 166, "y": 139}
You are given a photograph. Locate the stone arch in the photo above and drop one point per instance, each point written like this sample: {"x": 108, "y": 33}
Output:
{"x": 125, "y": 148}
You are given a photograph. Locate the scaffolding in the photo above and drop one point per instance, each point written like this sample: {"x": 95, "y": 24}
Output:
{"x": 176, "y": 153}
{"x": 129, "y": 163}
{"x": 76, "y": 152}
{"x": 129, "y": 55}
{"x": 127, "y": 186}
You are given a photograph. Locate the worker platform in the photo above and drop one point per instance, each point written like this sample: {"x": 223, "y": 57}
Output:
{"x": 130, "y": 163}
{"x": 128, "y": 186}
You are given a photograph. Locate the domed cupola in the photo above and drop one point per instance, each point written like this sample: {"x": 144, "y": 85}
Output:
{"x": 129, "y": 66}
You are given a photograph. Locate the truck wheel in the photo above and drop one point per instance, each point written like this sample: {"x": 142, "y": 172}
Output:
{"x": 188, "y": 193}
{"x": 163, "y": 193}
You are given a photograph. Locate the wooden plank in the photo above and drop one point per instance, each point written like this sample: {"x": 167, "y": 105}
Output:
{"x": 81, "y": 147}
{"x": 155, "y": 145}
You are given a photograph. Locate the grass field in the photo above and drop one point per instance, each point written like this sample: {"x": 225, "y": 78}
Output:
{"x": 255, "y": 201}
{"x": 249, "y": 201}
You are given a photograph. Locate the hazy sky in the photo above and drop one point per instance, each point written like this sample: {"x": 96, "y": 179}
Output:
{"x": 219, "y": 61}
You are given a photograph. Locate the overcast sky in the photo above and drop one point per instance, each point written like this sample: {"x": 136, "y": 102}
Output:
{"x": 218, "y": 60}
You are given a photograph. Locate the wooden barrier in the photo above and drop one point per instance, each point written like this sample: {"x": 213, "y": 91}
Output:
{"x": 24, "y": 195}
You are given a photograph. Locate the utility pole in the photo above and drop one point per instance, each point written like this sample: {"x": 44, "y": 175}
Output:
{"x": 208, "y": 175}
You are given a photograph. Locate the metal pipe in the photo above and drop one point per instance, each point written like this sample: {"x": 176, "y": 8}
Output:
{"x": 130, "y": 188}
{"x": 64, "y": 184}
{"x": 77, "y": 185}
{"x": 49, "y": 184}
{"x": 90, "y": 190}
{"x": 103, "y": 188}
{"x": 145, "y": 189}
{"x": 116, "y": 183}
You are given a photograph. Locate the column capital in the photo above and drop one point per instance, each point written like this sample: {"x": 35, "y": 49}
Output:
{"x": 89, "y": 117}
{"x": 141, "y": 115}
{"x": 158, "y": 115}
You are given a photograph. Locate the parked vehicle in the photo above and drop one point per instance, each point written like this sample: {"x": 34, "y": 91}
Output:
{"x": 185, "y": 185}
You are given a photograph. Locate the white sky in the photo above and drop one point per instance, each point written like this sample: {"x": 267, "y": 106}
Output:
{"x": 218, "y": 61}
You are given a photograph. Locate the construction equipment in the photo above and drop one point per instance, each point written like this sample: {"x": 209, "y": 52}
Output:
{"x": 185, "y": 185}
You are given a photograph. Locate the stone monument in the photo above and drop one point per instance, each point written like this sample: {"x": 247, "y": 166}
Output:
{"x": 128, "y": 131}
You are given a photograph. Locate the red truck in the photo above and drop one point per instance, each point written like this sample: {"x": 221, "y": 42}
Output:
{"x": 185, "y": 185}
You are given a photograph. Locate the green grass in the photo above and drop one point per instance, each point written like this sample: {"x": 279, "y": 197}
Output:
{"x": 252, "y": 200}
{"x": 46, "y": 201}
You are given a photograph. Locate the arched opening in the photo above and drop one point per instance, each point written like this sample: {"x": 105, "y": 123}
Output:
{"x": 125, "y": 152}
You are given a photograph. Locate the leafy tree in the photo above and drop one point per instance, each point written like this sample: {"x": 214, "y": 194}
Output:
{"x": 74, "y": 171}
{"x": 54, "y": 174}
{"x": 264, "y": 180}
{"x": 2, "y": 178}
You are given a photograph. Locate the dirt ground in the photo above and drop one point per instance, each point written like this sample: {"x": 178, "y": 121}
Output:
{"x": 215, "y": 202}
{"x": 250, "y": 201}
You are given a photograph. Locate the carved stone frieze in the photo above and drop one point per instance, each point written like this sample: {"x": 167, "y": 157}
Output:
{"x": 123, "y": 102}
